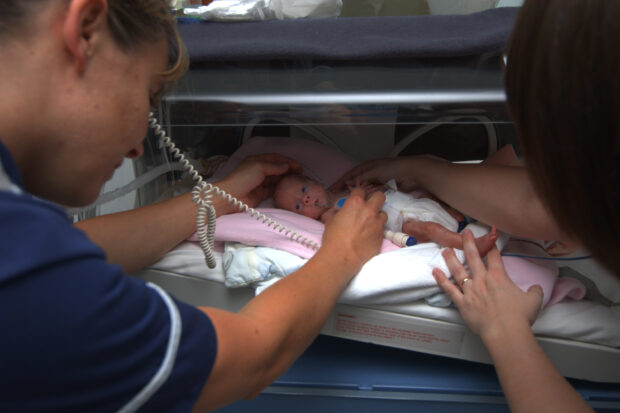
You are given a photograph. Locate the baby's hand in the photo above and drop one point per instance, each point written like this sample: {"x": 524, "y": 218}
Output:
{"x": 354, "y": 184}
{"x": 371, "y": 188}
{"x": 367, "y": 187}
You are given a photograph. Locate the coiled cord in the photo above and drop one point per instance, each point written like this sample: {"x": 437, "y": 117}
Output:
{"x": 202, "y": 195}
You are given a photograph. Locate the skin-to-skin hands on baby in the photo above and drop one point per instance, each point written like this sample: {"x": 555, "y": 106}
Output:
{"x": 489, "y": 301}
{"x": 362, "y": 220}
{"x": 426, "y": 231}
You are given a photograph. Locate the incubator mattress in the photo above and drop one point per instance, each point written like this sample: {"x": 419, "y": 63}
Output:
{"x": 583, "y": 320}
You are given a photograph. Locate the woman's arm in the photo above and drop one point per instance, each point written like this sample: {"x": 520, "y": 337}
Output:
{"x": 497, "y": 310}
{"x": 259, "y": 343}
{"x": 139, "y": 237}
{"x": 502, "y": 195}
{"x": 531, "y": 383}
{"x": 494, "y": 194}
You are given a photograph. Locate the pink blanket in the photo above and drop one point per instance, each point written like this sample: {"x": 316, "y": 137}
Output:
{"x": 526, "y": 272}
{"x": 243, "y": 228}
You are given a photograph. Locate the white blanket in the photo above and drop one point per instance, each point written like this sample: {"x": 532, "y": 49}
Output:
{"x": 395, "y": 277}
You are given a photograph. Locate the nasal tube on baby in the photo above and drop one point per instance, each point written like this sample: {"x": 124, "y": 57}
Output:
{"x": 399, "y": 238}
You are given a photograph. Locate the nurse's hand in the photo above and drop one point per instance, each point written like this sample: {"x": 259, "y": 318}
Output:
{"x": 355, "y": 233}
{"x": 254, "y": 179}
{"x": 488, "y": 300}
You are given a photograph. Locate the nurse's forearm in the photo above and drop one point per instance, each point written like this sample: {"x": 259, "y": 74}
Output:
{"x": 261, "y": 341}
{"x": 137, "y": 238}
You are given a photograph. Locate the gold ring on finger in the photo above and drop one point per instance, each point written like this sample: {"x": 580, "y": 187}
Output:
{"x": 464, "y": 281}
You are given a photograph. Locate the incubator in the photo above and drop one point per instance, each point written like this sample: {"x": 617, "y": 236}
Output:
{"x": 363, "y": 88}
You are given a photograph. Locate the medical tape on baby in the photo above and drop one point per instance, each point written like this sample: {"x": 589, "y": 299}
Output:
{"x": 174, "y": 338}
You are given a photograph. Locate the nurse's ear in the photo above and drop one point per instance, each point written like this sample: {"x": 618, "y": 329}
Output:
{"x": 83, "y": 26}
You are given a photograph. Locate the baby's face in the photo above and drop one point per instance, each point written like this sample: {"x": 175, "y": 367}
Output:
{"x": 302, "y": 195}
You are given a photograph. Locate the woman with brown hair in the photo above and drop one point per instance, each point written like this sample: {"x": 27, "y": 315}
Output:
{"x": 564, "y": 94}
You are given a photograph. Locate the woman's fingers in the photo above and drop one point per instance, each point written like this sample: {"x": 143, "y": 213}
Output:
{"x": 488, "y": 297}
{"x": 454, "y": 265}
{"x": 448, "y": 287}
{"x": 377, "y": 199}
{"x": 345, "y": 180}
{"x": 494, "y": 260}
{"x": 367, "y": 171}
{"x": 356, "y": 231}
{"x": 472, "y": 255}
{"x": 276, "y": 159}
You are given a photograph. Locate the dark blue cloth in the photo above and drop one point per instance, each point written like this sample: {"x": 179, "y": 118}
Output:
{"x": 352, "y": 38}
{"x": 77, "y": 333}
{"x": 462, "y": 225}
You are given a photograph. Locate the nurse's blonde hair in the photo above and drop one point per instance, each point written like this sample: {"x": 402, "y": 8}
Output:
{"x": 133, "y": 24}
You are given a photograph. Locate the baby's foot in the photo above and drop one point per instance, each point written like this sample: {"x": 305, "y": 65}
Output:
{"x": 487, "y": 241}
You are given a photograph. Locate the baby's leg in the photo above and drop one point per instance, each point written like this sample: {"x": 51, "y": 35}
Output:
{"x": 426, "y": 231}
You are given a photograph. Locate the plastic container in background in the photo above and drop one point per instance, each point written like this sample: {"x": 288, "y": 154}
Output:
{"x": 253, "y": 10}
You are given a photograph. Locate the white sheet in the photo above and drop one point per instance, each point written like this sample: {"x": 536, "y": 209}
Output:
{"x": 396, "y": 277}
{"x": 584, "y": 320}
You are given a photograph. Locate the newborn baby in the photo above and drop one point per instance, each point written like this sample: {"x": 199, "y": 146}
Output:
{"x": 407, "y": 214}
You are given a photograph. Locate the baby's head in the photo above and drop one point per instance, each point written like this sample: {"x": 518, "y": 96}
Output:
{"x": 303, "y": 195}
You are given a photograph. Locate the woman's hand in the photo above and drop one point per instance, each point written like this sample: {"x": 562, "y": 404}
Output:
{"x": 355, "y": 233}
{"x": 381, "y": 171}
{"x": 254, "y": 179}
{"x": 373, "y": 171}
{"x": 488, "y": 300}
{"x": 368, "y": 188}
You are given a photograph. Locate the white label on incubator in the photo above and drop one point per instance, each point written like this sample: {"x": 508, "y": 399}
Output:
{"x": 443, "y": 339}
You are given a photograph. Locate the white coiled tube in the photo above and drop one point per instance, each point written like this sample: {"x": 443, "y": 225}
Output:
{"x": 202, "y": 195}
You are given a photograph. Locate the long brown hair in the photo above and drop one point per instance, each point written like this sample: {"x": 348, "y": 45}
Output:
{"x": 563, "y": 91}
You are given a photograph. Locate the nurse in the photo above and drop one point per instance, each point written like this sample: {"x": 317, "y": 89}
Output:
{"x": 563, "y": 91}
{"x": 79, "y": 334}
